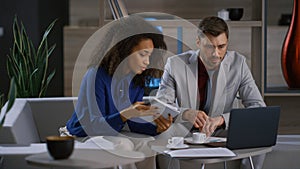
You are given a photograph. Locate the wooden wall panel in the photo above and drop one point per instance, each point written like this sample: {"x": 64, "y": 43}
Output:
{"x": 289, "y": 116}
{"x": 74, "y": 39}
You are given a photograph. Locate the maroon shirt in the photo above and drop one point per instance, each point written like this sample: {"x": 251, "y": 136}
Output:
{"x": 202, "y": 83}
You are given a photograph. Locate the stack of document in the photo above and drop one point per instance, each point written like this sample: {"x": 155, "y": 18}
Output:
{"x": 202, "y": 152}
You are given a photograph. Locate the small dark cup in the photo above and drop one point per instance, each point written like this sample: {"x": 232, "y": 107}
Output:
{"x": 235, "y": 14}
{"x": 60, "y": 147}
{"x": 285, "y": 19}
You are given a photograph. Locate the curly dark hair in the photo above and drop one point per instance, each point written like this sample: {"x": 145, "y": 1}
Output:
{"x": 124, "y": 48}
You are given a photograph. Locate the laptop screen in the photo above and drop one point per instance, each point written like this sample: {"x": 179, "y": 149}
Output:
{"x": 253, "y": 127}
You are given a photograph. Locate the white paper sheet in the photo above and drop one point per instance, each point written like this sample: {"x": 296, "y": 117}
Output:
{"x": 202, "y": 152}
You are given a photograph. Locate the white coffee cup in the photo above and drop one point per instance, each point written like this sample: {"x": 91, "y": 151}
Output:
{"x": 224, "y": 14}
{"x": 176, "y": 141}
{"x": 199, "y": 137}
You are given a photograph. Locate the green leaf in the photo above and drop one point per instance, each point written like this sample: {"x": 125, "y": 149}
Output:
{"x": 2, "y": 102}
{"x": 12, "y": 94}
{"x": 28, "y": 65}
{"x": 50, "y": 77}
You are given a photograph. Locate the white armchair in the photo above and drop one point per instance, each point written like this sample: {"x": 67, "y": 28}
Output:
{"x": 32, "y": 119}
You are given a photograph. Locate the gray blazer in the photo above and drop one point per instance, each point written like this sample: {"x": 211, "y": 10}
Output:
{"x": 180, "y": 83}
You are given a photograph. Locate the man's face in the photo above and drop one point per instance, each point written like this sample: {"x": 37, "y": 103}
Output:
{"x": 212, "y": 50}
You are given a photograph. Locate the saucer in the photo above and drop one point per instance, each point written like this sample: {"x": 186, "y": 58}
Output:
{"x": 178, "y": 147}
{"x": 191, "y": 141}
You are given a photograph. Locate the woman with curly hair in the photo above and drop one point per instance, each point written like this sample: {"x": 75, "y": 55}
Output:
{"x": 119, "y": 85}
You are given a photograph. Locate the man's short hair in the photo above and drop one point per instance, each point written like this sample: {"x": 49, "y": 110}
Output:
{"x": 214, "y": 26}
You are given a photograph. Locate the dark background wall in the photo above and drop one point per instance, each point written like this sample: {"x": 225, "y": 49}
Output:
{"x": 36, "y": 15}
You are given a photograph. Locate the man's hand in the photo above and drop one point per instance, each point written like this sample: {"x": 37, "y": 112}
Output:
{"x": 196, "y": 117}
{"x": 138, "y": 110}
{"x": 162, "y": 123}
{"x": 211, "y": 124}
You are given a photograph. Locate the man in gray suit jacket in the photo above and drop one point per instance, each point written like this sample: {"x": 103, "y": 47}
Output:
{"x": 228, "y": 76}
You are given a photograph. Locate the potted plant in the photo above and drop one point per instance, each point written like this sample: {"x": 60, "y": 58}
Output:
{"x": 28, "y": 65}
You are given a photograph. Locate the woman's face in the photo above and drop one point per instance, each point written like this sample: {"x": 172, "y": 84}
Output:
{"x": 139, "y": 58}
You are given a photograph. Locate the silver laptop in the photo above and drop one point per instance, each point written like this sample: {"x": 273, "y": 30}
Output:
{"x": 252, "y": 128}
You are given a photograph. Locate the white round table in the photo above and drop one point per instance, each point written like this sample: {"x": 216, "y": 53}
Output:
{"x": 88, "y": 158}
